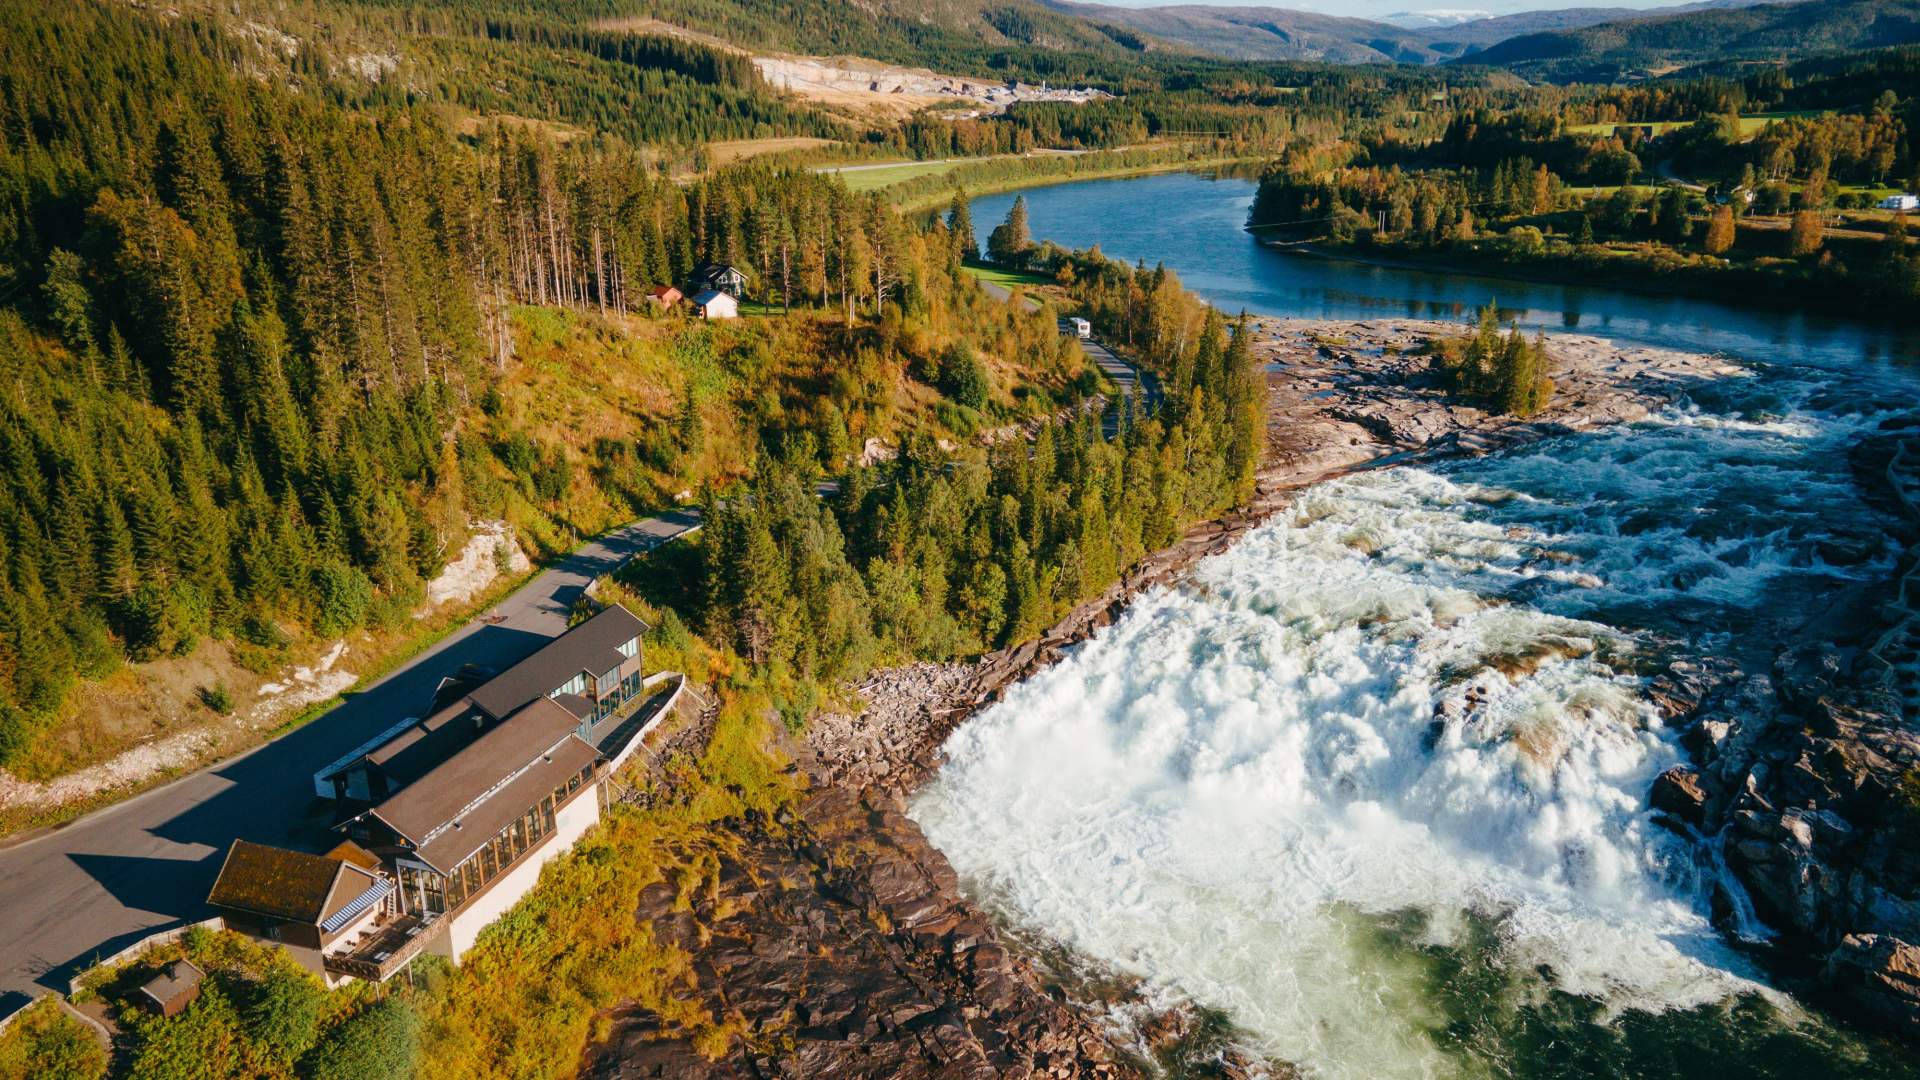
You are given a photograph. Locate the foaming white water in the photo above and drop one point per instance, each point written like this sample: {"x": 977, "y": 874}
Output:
{"x": 1400, "y": 696}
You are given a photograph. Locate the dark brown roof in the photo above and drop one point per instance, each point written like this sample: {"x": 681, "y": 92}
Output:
{"x": 459, "y": 786}
{"x": 423, "y": 747}
{"x": 483, "y": 822}
{"x": 575, "y": 704}
{"x": 179, "y": 977}
{"x": 589, "y": 647}
{"x": 292, "y": 885}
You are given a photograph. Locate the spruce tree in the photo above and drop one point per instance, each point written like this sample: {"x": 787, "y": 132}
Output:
{"x": 1010, "y": 241}
{"x": 960, "y": 228}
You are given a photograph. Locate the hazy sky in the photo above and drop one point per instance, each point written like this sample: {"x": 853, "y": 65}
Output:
{"x": 1374, "y": 9}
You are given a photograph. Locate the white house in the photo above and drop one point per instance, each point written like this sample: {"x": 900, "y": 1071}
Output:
{"x": 1900, "y": 202}
{"x": 714, "y": 304}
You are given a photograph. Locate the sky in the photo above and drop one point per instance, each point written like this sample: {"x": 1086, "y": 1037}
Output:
{"x": 1448, "y": 10}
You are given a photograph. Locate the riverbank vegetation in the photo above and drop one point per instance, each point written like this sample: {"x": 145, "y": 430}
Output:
{"x": 1504, "y": 374}
{"x": 1774, "y": 211}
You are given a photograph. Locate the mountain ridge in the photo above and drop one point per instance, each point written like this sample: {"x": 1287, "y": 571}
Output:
{"x": 1280, "y": 33}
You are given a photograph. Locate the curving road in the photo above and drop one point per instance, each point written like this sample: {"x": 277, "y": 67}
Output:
{"x": 1127, "y": 377}
{"x": 96, "y": 885}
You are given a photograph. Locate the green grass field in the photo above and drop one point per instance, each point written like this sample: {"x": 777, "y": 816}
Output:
{"x": 1007, "y": 278}
{"x": 886, "y": 176}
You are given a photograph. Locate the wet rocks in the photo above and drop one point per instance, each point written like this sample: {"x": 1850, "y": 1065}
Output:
{"x": 1809, "y": 780}
{"x": 1678, "y": 792}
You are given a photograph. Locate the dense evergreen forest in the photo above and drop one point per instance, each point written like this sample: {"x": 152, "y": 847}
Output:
{"x": 254, "y": 336}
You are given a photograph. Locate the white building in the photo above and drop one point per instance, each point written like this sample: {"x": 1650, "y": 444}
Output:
{"x": 714, "y": 304}
{"x": 1900, "y": 202}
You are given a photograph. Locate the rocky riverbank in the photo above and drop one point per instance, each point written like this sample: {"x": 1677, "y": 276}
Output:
{"x": 835, "y": 943}
{"x": 1806, "y": 779}
{"x": 838, "y": 942}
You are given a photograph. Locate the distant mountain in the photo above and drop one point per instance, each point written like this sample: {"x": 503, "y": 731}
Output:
{"x": 1467, "y": 37}
{"x": 1408, "y": 37}
{"x": 1664, "y": 42}
{"x": 1264, "y": 33}
{"x": 1435, "y": 17}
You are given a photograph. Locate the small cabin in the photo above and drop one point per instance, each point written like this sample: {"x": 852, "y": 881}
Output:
{"x": 171, "y": 991}
{"x": 714, "y": 304}
{"x": 665, "y": 296}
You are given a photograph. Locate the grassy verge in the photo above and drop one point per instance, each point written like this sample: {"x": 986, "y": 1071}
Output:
{"x": 862, "y": 179}
{"x": 1749, "y": 125}
{"x": 995, "y": 175}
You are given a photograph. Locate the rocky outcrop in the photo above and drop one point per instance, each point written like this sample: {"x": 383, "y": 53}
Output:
{"x": 1880, "y": 976}
{"x": 1809, "y": 780}
{"x": 1678, "y": 792}
{"x": 834, "y": 942}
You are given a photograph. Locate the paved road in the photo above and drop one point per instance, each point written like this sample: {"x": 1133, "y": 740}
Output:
{"x": 1128, "y": 378}
{"x": 102, "y": 882}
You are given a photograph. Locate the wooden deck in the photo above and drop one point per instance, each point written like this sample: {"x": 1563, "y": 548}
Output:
{"x": 385, "y": 947}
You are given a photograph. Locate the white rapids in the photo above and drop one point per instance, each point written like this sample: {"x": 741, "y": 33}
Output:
{"x": 1417, "y": 690}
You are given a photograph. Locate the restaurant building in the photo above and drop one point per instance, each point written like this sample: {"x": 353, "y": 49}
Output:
{"x": 452, "y": 816}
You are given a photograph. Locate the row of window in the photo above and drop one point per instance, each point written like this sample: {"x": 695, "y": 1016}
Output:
{"x": 579, "y": 683}
{"x": 427, "y": 892}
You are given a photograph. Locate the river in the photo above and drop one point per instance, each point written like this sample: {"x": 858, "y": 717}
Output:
{"x": 1193, "y": 224}
{"x": 1371, "y": 786}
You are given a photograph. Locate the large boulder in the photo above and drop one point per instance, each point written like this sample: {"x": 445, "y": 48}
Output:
{"x": 1678, "y": 791}
{"x": 1879, "y": 975}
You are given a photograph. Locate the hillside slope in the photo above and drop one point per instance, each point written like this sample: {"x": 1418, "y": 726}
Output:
{"x": 1280, "y": 33}
{"x": 1613, "y": 50}
{"x": 1266, "y": 33}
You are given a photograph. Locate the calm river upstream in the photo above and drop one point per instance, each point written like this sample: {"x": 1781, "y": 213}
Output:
{"x": 1193, "y": 224}
{"x": 1238, "y": 792}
